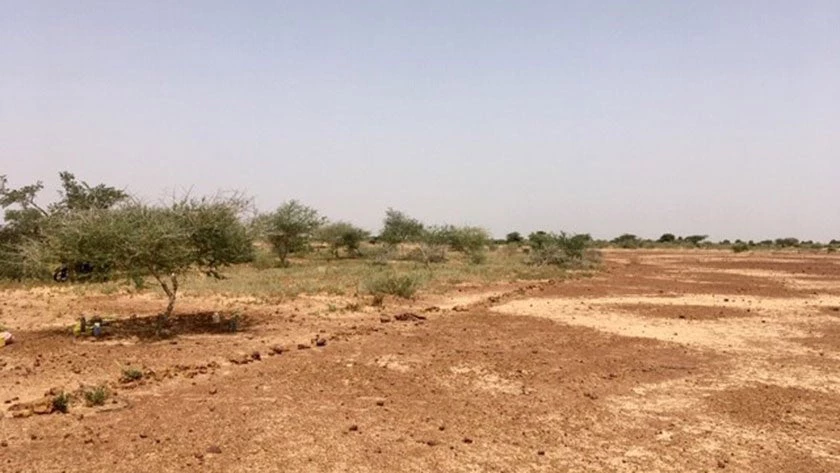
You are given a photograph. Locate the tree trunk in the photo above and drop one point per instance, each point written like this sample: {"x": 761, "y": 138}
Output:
{"x": 171, "y": 293}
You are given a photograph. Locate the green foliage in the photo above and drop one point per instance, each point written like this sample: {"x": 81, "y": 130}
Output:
{"x": 514, "y": 237}
{"x": 139, "y": 240}
{"x": 787, "y": 242}
{"x": 61, "y": 402}
{"x": 96, "y": 396}
{"x": 81, "y": 196}
{"x": 560, "y": 249}
{"x": 466, "y": 239}
{"x": 400, "y": 228}
{"x": 130, "y": 374}
{"x": 740, "y": 247}
{"x": 289, "y": 228}
{"x": 389, "y": 283}
{"x": 217, "y": 235}
{"x": 667, "y": 238}
{"x": 25, "y": 221}
{"x": 627, "y": 240}
{"x": 343, "y": 235}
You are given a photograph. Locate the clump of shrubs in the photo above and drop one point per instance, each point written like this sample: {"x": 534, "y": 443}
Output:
{"x": 561, "y": 249}
{"x": 389, "y": 283}
{"x": 740, "y": 247}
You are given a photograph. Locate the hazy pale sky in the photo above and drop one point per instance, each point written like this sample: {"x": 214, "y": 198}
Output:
{"x": 593, "y": 116}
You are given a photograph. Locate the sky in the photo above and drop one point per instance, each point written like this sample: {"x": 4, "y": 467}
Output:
{"x": 689, "y": 117}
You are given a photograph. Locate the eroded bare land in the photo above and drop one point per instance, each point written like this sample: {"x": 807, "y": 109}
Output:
{"x": 665, "y": 361}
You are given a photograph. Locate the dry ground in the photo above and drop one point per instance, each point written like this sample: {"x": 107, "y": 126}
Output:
{"x": 672, "y": 361}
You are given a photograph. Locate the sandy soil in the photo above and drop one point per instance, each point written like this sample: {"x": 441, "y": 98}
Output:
{"x": 666, "y": 361}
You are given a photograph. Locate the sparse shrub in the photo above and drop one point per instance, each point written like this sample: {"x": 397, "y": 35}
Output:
{"x": 264, "y": 259}
{"x": 560, "y": 249}
{"x": 627, "y": 240}
{"x": 427, "y": 253}
{"x": 96, "y": 396}
{"x": 400, "y": 285}
{"x": 740, "y": 247}
{"x": 130, "y": 374}
{"x": 477, "y": 257}
{"x": 61, "y": 402}
{"x": 343, "y": 235}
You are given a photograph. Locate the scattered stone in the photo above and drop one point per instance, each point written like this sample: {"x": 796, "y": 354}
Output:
{"x": 354, "y": 428}
{"x": 213, "y": 391}
{"x": 214, "y": 449}
{"x": 380, "y": 403}
{"x": 384, "y": 319}
{"x": 432, "y": 443}
{"x": 459, "y": 308}
{"x": 468, "y": 440}
{"x": 4, "y": 443}
{"x": 256, "y": 356}
{"x": 277, "y": 349}
{"x": 320, "y": 341}
{"x": 409, "y": 317}
{"x": 541, "y": 453}
{"x": 303, "y": 346}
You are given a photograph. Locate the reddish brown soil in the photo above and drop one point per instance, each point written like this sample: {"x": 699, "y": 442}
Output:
{"x": 476, "y": 388}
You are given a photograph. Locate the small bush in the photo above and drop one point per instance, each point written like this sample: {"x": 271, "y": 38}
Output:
{"x": 427, "y": 253}
{"x": 130, "y": 374}
{"x": 264, "y": 259}
{"x": 61, "y": 402}
{"x": 400, "y": 285}
{"x": 96, "y": 396}
{"x": 740, "y": 247}
{"x": 561, "y": 249}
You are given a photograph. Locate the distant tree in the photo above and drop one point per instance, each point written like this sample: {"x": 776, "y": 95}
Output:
{"x": 400, "y": 228}
{"x": 695, "y": 239}
{"x": 343, "y": 235}
{"x": 787, "y": 242}
{"x": 289, "y": 228}
{"x": 560, "y": 249}
{"x": 627, "y": 240}
{"x": 667, "y": 238}
{"x": 514, "y": 237}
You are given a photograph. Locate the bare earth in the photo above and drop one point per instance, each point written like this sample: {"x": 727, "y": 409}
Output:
{"x": 667, "y": 361}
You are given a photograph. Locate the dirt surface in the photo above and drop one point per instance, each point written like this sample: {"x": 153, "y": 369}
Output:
{"x": 666, "y": 361}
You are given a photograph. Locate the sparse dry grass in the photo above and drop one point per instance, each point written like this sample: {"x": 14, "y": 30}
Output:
{"x": 318, "y": 273}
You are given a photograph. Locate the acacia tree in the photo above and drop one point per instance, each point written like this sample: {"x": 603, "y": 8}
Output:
{"x": 289, "y": 228}
{"x": 139, "y": 240}
{"x": 343, "y": 235}
{"x": 400, "y": 228}
{"x": 25, "y": 219}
